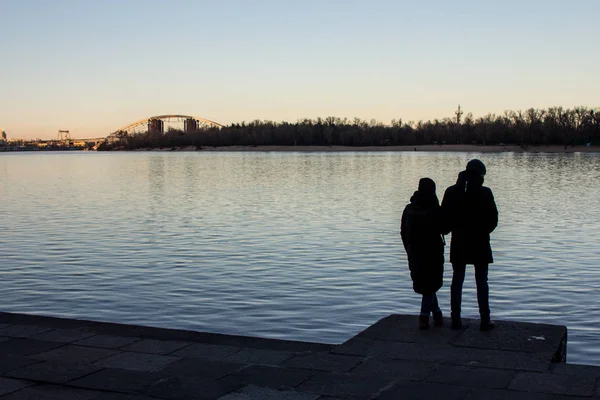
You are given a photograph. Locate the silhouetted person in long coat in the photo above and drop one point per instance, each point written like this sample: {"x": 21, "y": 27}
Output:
{"x": 421, "y": 236}
{"x": 470, "y": 213}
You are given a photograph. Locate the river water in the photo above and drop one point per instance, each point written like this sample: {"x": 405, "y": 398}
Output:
{"x": 300, "y": 246}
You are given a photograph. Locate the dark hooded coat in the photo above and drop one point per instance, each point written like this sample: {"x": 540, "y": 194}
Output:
{"x": 421, "y": 229}
{"x": 470, "y": 213}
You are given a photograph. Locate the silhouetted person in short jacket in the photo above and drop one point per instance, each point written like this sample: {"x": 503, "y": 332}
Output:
{"x": 421, "y": 236}
{"x": 470, "y": 213}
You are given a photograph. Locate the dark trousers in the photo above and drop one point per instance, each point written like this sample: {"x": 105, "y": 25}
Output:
{"x": 429, "y": 304}
{"x": 483, "y": 290}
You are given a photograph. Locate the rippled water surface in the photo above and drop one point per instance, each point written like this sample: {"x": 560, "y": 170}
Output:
{"x": 287, "y": 245}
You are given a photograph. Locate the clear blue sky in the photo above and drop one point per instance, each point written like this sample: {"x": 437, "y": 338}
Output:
{"x": 94, "y": 66}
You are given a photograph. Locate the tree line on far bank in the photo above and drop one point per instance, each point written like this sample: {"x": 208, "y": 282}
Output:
{"x": 533, "y": 127}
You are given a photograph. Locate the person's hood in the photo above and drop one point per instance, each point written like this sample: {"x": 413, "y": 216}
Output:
{"x": 469, "y": 180}
{"x": 419, "y": 199}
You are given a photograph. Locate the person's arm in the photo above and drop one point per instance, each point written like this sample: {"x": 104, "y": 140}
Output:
{"x": 491, "y": 212}
{"x": 404, "y": 229}
{"x": 445, "y": 215}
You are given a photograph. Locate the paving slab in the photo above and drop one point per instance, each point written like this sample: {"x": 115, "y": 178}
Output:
{"x": 179, "y": 388}
{"x": 393, "y": 369}
{"x": 471, "y": 376}
{"x": 107, "y": 341}
{"x": 42, "y": 320}
{"x": 53, "y": 371}
{"x": 503, "y": 394}
{"x": 423, "y": 391}
{"x": 518, "y": 336}
{"x": 569, "y": 385}
{"x": 23, "y": 331}
{"x": 52, "y": 392}
{"x": 576, "y": 369}
{"x": 364, "y": 347}
{"x": 8, "y": 385}
{"x": 342, "y": 385}
{"x": 63, "y": 335}
{"x": 324, "y": 362}
{"x": 27, "y": 347}
{"x": 403, "y": 328}
{"x": 137, "y": 361}
{"x": 9, "y": 362}
{"x": 207, "y": 351}
{"x": 259, "y": 356}
{"x": 268, "y": 376}
{"x": 156, "y": 346}
{"x": 121, "y": 396}
{"x": 252, "y": 392}
{"x": 76, "y": 354}
{"x": 203, "y": 369}
{"x": 116, "y": 380}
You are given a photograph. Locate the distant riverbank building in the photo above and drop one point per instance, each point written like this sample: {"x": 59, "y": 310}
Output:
{"x": 156, "y": 126}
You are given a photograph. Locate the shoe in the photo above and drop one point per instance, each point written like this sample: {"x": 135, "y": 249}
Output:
{"x": 438, "y": 319}
{"x": 423, "y": 322}
{"x": 456, "y": 324}
{"x": 487, "y": 325}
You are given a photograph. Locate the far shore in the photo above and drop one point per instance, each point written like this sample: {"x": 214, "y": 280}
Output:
{"x": 438, "y": 148}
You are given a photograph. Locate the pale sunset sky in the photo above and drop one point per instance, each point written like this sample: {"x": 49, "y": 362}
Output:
{"x": 94, "y": 66}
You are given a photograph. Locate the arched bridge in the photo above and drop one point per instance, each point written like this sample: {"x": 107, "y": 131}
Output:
{"x": 157, "y": 124}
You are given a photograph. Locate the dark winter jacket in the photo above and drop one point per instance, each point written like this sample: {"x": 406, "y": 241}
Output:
{"x": 421, "y": 230}
{"x": 470, "y": 213}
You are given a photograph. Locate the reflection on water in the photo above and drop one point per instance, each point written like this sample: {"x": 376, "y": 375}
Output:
{"x": 287, "y": 245}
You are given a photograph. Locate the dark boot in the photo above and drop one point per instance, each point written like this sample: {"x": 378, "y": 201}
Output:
{"x": 438, "y": 319}
{"x": 423, "y": 321}
{"x": 487, "y": 325}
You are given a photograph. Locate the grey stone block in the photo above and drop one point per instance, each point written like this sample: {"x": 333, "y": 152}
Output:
{"x": 576, "y": 369}
{"x": 259, "y": 356}
{"x": 52, "y": 392}
{"x": 516, "y": 336}
{"x": 472, "y": 377}
{"x": 207, "y": 351}
{"x": 121, "y": 396}
{"x": 156, "y": 346}
{"x": 23, "y": 331}
{"x": 106, "y": 341}
{"x": 12, "y": 385}
{"x": 393, "y": 369}
{"x": 252, "y": 392}
{"x": 137, "y": 361}
{"x": 10, "y": 362}
{"x": 116, "y": 380}
{"x": 75, "y": 354}
{"x": 503, "y": 394}
{"x": 63, "y": 335}
{"x": 372, "y": 348}
{"x": 44, "y": 321}
{"x": 189, "y": 388}
{"x": 570, "y": 385}
{"x": 26, "y": 347}
{"x": 404, "y": 328}
{"x": 53, "y": 372}
{"x": 343, "y": 385}
{"x": 269, "y": 376}
{"x": 423, "y": 391}
{"x": 324, "y": 362}
{"x": 200, "y": 368}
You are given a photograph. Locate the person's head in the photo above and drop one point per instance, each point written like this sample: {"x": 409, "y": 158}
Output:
{"x": 476, "y": 167}
{"x": 427, "y": 186}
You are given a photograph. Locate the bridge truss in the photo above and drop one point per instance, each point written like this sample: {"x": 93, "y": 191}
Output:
{"x": 157, "y": 124}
